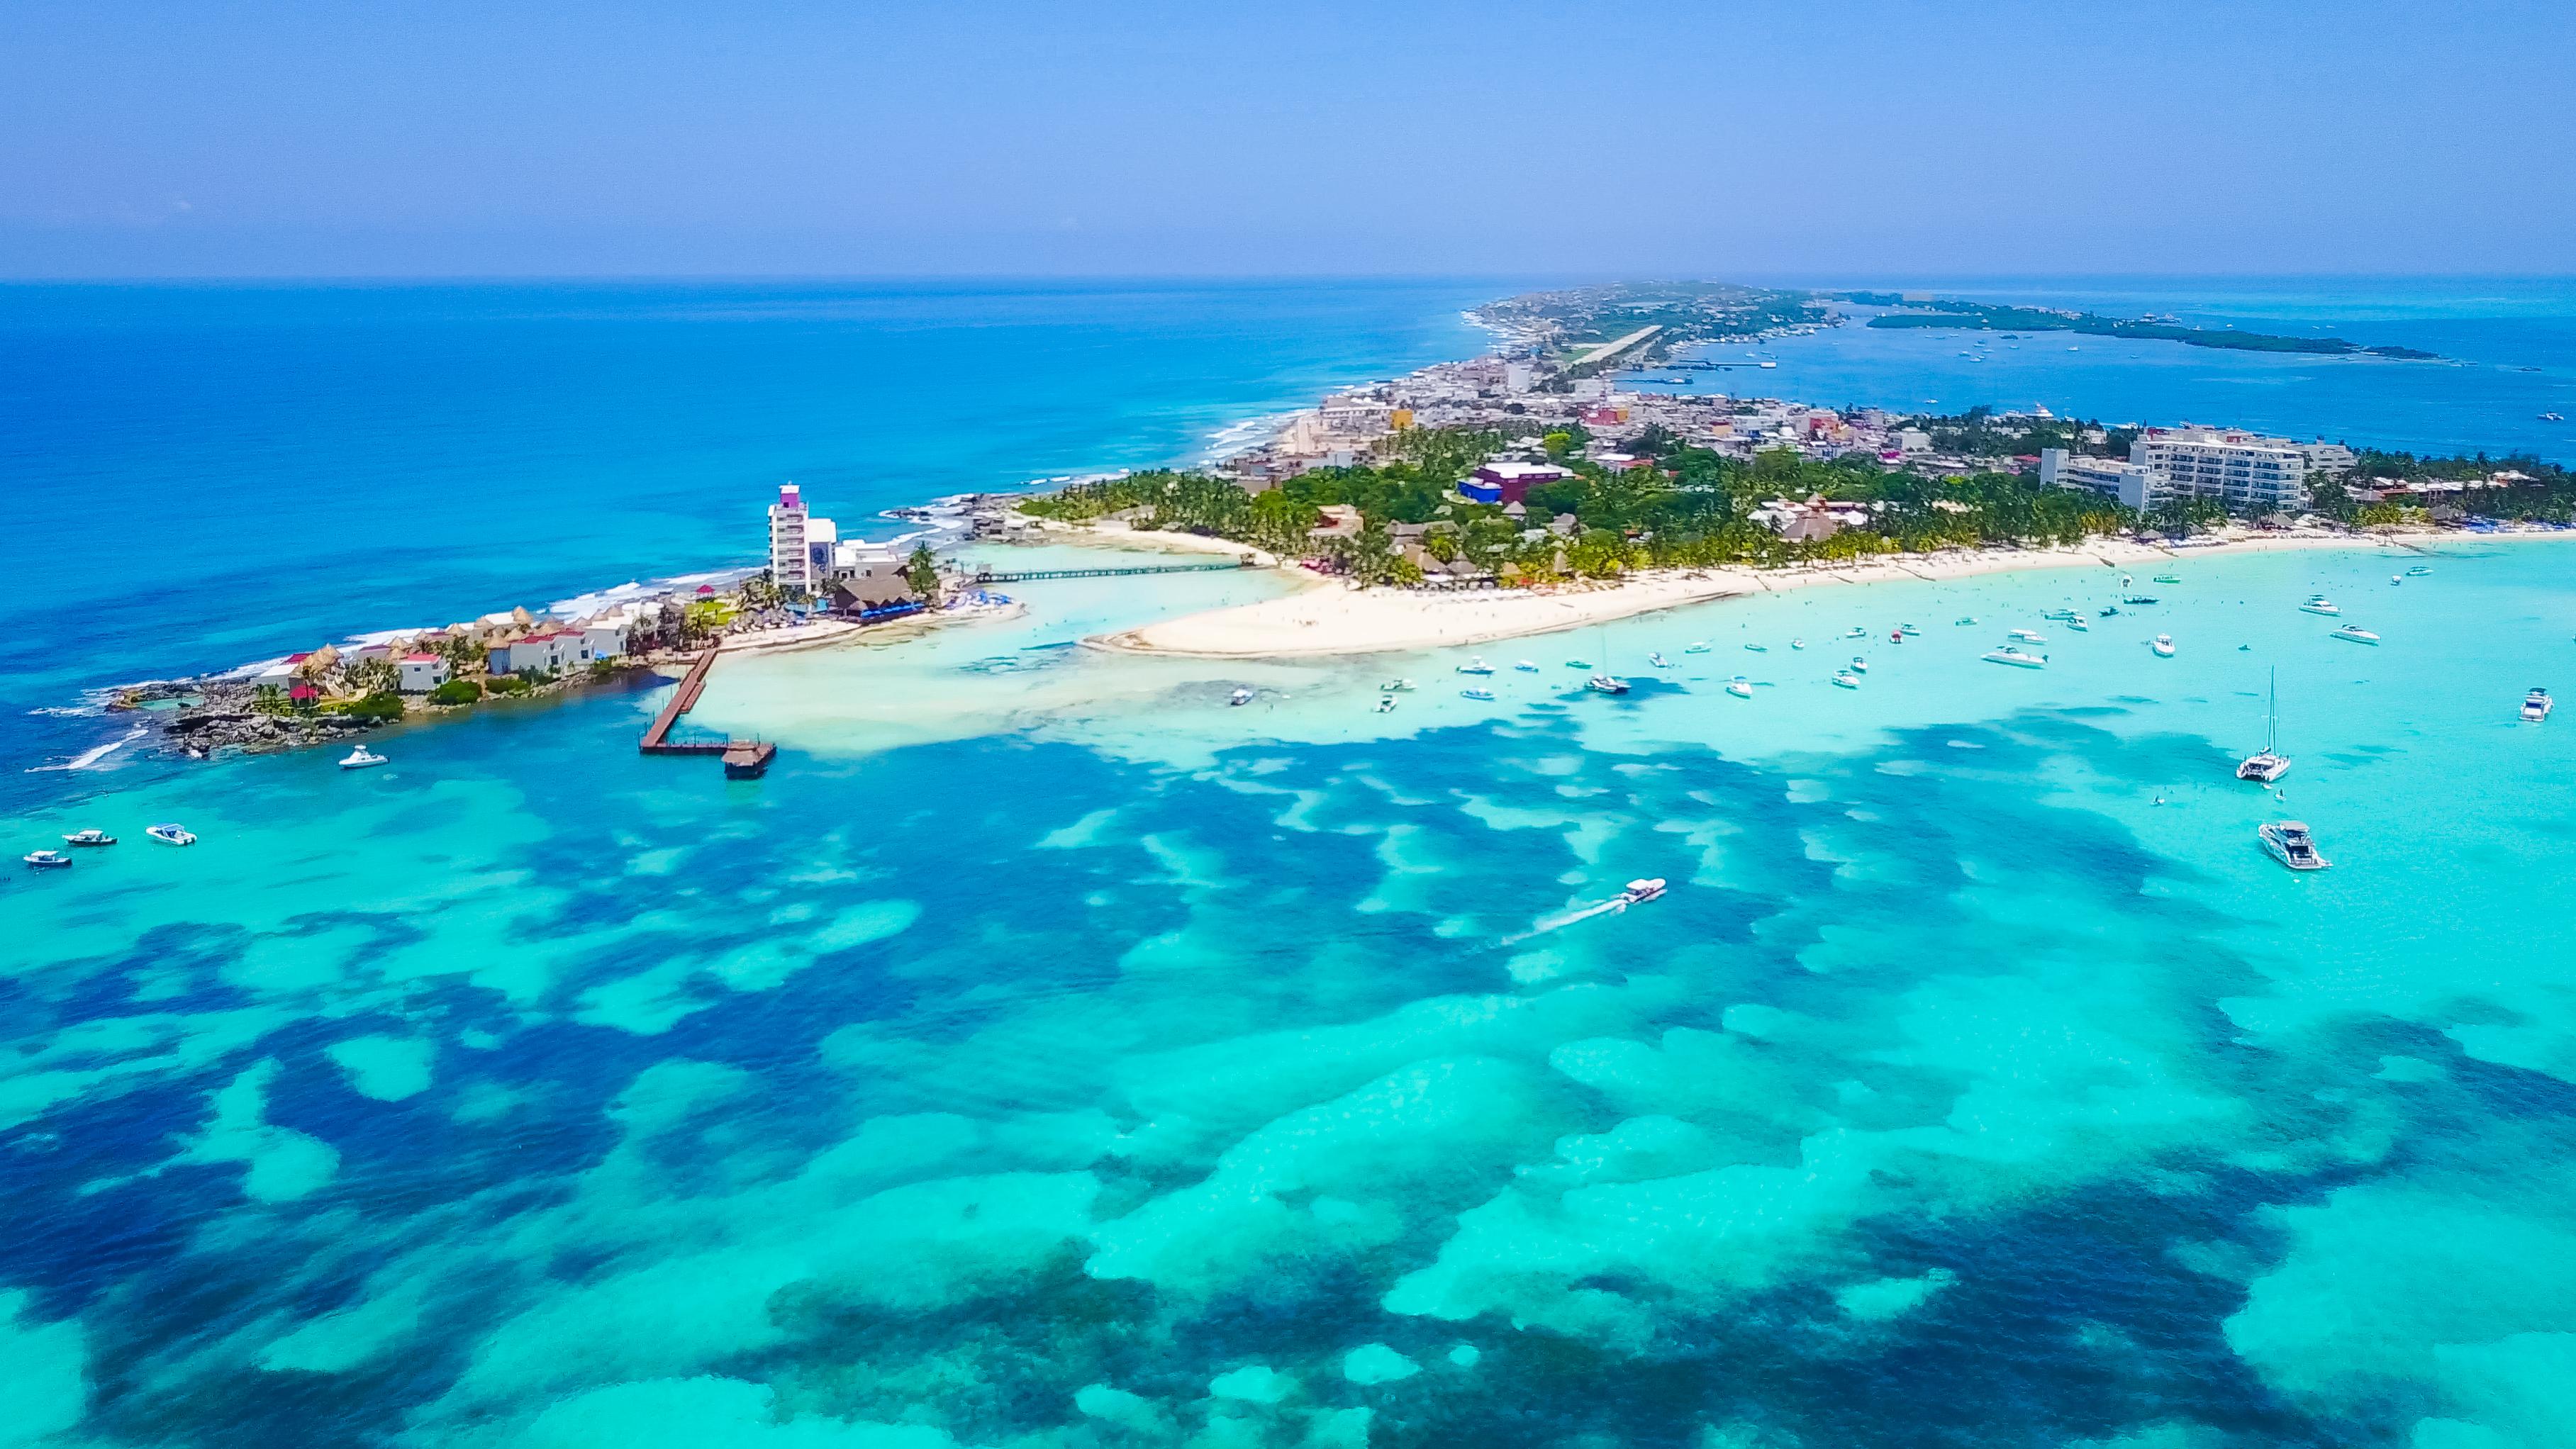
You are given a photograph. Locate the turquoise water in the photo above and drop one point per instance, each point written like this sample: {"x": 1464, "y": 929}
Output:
{"x": 1048, "y": 1052}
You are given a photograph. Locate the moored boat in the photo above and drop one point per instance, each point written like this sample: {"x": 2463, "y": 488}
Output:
{"x": 2028, "y": 636}
{"x": 1474, "y": 693}
{"x": 171, "y": 834}
{"x": 1740, "y": 687}
{"x": 1240, "y": 697}
{"x": 1385, "y": 702}
{"x": 1396, "y": 686}
{"x": 1696, "y": 646}
{"x": 2077, "y": 624}
{"x": 2419, "y": 571}
{"x": 1859, "y": 665}
{"x": 2163, "y": 645}
{"x": 2354, "y": 634}
{"x": 2289, "y": 842}
{"x": 2320, "y": 604}
{"x": 1606, "y": 684}
{"x": 1847, "y": 680}
{"x": 1658, "y": 660}
{"x": 1476, "y": 665}
{"x": 363, "y": 758}
{"x": 2168, "y": 578}
{"x": 89, "y": 837}
{"x": 2017, "y": 658}
{"x": 1527, "y": 666}
{"x": 45, "y": 859}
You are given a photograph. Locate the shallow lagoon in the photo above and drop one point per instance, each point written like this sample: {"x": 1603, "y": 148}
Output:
{"x": 1103, "y": 1064}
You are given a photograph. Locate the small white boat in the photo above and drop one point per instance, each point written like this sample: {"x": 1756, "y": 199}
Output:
{"x": 2290, "y": 844}
{"x": 2017, "y": 658}
{"x": 1758, "y": 648}
{"x": 2320, "y": 604}
{"x": 1578, "y": 664}
{"x": 1396, "y": 686}
{"x": 1476, "y": 665}
{"x": 1855, "y": 632}
{"x": 46, "y": 859}
{"x": 171, "y": 834}
{"x": 1527, "y": 666}
{"x": 2062, "y": 616}
{"x": 363, "y": 758}
{"x": 1797, "y": 643}
{"x": 1964, "y": 621}
{"x": 1641, "y": 891}
{"x": 1740, "y": 687}
{"x": 1859, "y": 665}
{"x": 2028, "y": 636}
{"x": 2354, "y": 634}
{"x": 1696, "y": 646}
{"x": 2535, "y": 706}
{"x": 1475, "y": 694}
{"x": 1606, "y": 684}
{"x": 1847, "y": 680}
{"x": 1240, "y": 697}
{"x": 2395, "y": 579}
{"x": 89, "y": 837}
{"x": 1658, "y": 660}
{"x": 2163, "y": 645}
{"x": 1909, "y": 631}
{"x": 1385, "y": 702}
{"x": 2419, "y": 571}
{"x": 2076, "y": 623}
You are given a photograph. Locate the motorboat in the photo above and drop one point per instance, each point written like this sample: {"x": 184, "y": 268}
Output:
{"x": 171, "y": 834}
{"x": 1740, "y": 687}
{"x": 1696, "y": 646}
{"x": 2017, "y": 658}
{"x": 89, "y": 837}
{"x": 1856, "y": 632}
{"x": 1240, "y": 697}
{"x": 2140, "y": 599}
{"x": 45, "y": 859}
{"x": 1606, "y": 684}
{"x": 1641, "y": 891}
{"x": 2354, "y": 634}
{"x": 2267, "y": 764}
{"x": 1578, "y": 664}
{"x": 2061, "y": 616}
{"x": 1385, "y": 703}
{"x": 2028, "y": 636}
{"x": 1859, "y": 665}
{"x": 1847, "y": 680}
{"x": 2544, "y": 417}
{"x": 2535, "y": 708}
{"x": 1758, "y": 648}
{"x": 1473, "y": 693}
{"x": 1797, "y": 643}
{"x": 1965, "y": 621}
{"x": 2163, "y": 645}
{"x": 2107, "y": 611}
{"x": 1895, "y": 636}
{"x": 363, "y": 758}
{"x": 2168, "y": 578}
{"x": 2290, "y": 844}
{"x": 1527, "y": 666}
{"x": 2320, "y": 604}
{"x": 2076, "y": 623}
{"x": 2419, "y": 571}
{"x": 1658, "y": 660}
{"x": 1476, "y": 665}
{"x": 1909, "y": 631}
{"x": 1396, "y": 686}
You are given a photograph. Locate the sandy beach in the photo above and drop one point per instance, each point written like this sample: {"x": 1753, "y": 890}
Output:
{"x": 1343, "y": 620}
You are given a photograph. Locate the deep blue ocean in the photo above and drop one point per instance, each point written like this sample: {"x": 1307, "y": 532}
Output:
{"x": 1049, "y": 1053}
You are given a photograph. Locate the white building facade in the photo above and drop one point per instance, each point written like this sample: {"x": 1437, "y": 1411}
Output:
{"x": 2136, "y": 486}
{"x": 791, "y": 561}
{"x": 2246, "y": 471}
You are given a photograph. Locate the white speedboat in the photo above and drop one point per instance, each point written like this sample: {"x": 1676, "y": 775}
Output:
{"x": 46, "y": 859}
{"x": 1757, "y": 648}
{"x": 1658, "y": 660}
{"x": 1859, "y": 665}
{"x": 2017, "y": 658}
{"x": 363, "y": 758}
{"x": 1740, "y": 687}
{"x": 1396, "y": 686}
{"x": 1641, "y": 891}
{"x": 2354, "y": 634}
{"x": 2027, "y": 636}
{"x": 169, "y": 834}
{"x": 1240, "y": 697}
{"x": 2419, "y": 571}
{"x": 1578, "y": 664}
{"x": 1476, "y": 665}
{"x": 89, "y": 837}
{"x": 2320, "y": 604}
{"x": 2535, "y": 706}
{"x": 1606, "y": 684}
{"x": 1385, "y": 702}
{"x": 1855, "y": 632}
{"x": 2163, "y": 645}
{"x": 2395, "y": 579}
{"x": 2290, "y": 844}
{"x": 2062, "y": 616}
{"x": 1847, "y": 680}
{"x": 1475, "y": 694}
{"x": 1527, "y": 666}
{"x": 1797, "y": 643}
{"x": 1964, "y": 621}
{"x": 1909, "y": 631}
{"x": 2076, "y": 623}
{"x": 1696, "y": 646}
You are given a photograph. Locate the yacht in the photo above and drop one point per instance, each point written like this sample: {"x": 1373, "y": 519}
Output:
{"x": 2163, "y": 646}
{"x": 2419, "y": 571}
{"x": 1385, "y": 702}
{"x": 1740, "y": 687}
{"x": 46, "y": 859}
{"x": 1696, "y": 646}
{"x": 1396, "y": 686}
{"x": 1527, "y": 666}
{"x": 2320, "y": 604}
{"x": 1641, "y": 891}
{"x": 2535, "y": 706}
{"x": 1847, "y": 680}
{"x": 2028, "y": 636}
{"x": 363, "y": 758}
{"x": 1474, "y": 692}
{"x": 1658, "y": 660}
{"x": 2017, "y": 658}
{"x": 1476, "y": 665}
{"x": 1606, "y": 684}
{"x": 2076, "y": 623}
{"x": 1240, "y": 697}
{"x": 171, "y": 834}
{"x": 2354, "y": 633}
{"x": 89, "y": 837}
{"x": 2267, "y": 764}
{"x": 1859, "y": 665}
{"x": 2291, "y": 845}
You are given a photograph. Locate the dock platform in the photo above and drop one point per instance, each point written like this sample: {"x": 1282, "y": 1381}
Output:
{"x": 743, "y": 759}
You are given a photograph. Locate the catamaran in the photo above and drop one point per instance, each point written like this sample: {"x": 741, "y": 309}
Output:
{"x": 2291, "y": 845}
{"x": 2267, "y": 764}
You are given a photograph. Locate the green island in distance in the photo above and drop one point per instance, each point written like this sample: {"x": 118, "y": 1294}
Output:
{"x": 1988, "y": 317}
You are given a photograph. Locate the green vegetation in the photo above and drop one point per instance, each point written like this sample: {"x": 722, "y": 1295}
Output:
{"x": 507, "y": 684}
{"x": 456, "y": 691}
{"x": 922, "y": 572}
{"x": 1983, "y": 317}
{"x": 379, "y": 707}
{"x": 2515, "y": 489}
{"x": 270, "y": 699}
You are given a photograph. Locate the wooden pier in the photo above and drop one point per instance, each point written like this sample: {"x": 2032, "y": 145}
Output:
{"x": 743, "y": 759}
{"x": 987, "y": 576}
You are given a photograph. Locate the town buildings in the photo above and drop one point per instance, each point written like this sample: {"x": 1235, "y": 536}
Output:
{"x": 2248, "y": 472}
{"x": 791, "y": 561}
{"x": 2135, "y": 485}
{"x": 421, "y": 673}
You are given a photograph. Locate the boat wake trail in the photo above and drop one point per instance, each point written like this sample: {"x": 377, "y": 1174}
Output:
{"x": 90, "y": 757}
{"x": 1559, "y": 923}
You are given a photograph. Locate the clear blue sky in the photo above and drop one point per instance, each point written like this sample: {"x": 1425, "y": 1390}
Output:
{"x": 1636, "y": 137}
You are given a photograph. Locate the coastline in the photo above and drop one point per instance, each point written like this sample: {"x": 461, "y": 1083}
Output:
{"x": 1328, "y": 622}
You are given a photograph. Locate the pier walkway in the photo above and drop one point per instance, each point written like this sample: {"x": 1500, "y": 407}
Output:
{"x": 987, "y": 576}
{"x": 743, "y": 759}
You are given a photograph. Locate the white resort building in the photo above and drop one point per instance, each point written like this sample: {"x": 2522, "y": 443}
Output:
{"x": 791, "y": 562}
{"x": 2246, "y": 471}
{"x": 2137, "y": 486}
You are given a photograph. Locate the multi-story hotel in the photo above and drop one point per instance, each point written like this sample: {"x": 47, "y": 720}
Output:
{"x": 791, "y": 563}
{"x": 2246, "y": 471}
